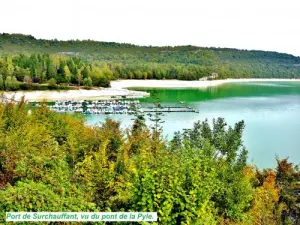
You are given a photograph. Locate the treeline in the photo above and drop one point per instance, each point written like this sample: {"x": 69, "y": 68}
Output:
{"x": 23, "y": 71}
{"x": 200, "y": 177}
{"x": 73, "y": 61}
{"x": 26, "y": 72}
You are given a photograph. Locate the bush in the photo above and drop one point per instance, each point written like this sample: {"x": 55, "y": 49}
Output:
{"x": 24, "y": 86}
{"x": 52, "y": 82}
{"x": 103, "y": 82}
{"x": 33, "y": 196}
{"x": 87, "y": 82}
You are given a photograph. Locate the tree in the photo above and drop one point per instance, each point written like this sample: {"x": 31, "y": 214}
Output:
{"x": 51, "y": 70}
{"x": 1, "y": 82}
{"x": 180, "y": 193}
{"x": 157, "y": 128}
{"x": 139, "y": 138}
{"x": 112, "y": 131}
{"x": 103, "y": 82}
{"x": 21, "y": 73}
{"x": 288, "y": 181}
{"x": 145, "y": 75}
{"x": 224, "y": 146}
{"x": 10, "y": 67}
{"x": 87, "y": 82}
{"x": 85, "y": 72}
{"x": 67, "y": 73}
{"x": 15, "y": 83}
{"x": 8, "y": 83}
{"x": 52, "y": 82}
{"x": 264, "y": 206}
{"x": 79, "y": 77}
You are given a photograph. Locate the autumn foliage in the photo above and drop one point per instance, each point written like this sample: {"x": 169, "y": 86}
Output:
{"x": 55, "y": 162}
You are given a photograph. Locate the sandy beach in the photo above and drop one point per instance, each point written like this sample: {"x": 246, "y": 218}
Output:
{"x": 95, "y": 94}
{"x": 185, "y": 84}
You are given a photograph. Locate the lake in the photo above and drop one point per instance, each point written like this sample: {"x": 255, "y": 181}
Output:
{"x": 271, "y": 111}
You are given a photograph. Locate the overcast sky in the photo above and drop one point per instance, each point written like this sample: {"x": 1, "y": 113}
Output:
{"x": 245, "y": 24}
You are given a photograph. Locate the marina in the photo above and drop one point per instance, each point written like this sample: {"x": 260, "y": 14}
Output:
{"x": 113, "y": 107}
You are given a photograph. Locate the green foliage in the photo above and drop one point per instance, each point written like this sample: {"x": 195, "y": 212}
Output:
{"x": 11, "y": 83}
{"x": 225, "y": 147}
{"x": 156, "y": 119}
{"x": 52, "y": 82}
{"x": 30, "y": 196}
{"x": 87, "y": 82}
{"x": 288, "y": 181}
{"x": 180, "y": 193}
{"x": 1, "y": 82}
{"x": 73, "y": 61}
{"x": 55, "y": 162}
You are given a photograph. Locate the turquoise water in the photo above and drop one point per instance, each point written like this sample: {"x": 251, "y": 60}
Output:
{"x": 271, "y": 111}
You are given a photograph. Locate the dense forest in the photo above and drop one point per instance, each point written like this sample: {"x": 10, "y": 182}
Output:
{"x": 54, "y": 162}
{"x": 26, "y": 62}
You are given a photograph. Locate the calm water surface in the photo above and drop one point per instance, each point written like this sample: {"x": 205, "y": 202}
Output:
{"x": 271, "y": 111}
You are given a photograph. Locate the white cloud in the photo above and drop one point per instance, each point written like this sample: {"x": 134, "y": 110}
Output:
{"x": 245, "y": 24}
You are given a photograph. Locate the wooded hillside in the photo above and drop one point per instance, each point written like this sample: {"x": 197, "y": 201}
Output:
{"x": 95, "y": 63}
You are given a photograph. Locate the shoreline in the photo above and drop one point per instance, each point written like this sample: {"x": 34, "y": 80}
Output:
{"x": 81, "y": 94}
{"x": 188, "y": 84}
{"x": 119, "y": 89}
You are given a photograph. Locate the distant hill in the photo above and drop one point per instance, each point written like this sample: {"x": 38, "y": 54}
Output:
{"x": 69, "y": 61}
{"x": 15, "y": 43}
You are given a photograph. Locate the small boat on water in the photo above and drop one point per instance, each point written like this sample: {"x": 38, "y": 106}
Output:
{"x": 113, "y": 107}
{"x": 96, "y": 107}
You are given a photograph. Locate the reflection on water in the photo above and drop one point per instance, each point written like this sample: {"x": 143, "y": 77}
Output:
{"x": 275, "y": 84}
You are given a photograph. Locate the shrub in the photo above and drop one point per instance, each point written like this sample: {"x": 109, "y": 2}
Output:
{"x": 52, "y": 82}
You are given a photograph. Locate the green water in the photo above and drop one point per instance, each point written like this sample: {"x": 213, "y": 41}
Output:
{"x": 271, "y": 111}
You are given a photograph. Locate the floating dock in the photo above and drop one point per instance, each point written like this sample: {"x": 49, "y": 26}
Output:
{"x": 170, "y": 109}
